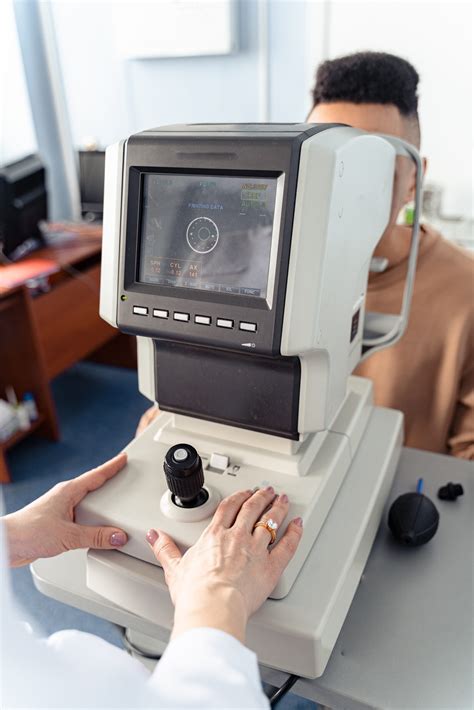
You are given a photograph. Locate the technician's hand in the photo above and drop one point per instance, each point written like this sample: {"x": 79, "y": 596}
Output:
{"x": 46, "y": 527}
{"x": 146, "y": 419}
{"x": 230, "y": 571}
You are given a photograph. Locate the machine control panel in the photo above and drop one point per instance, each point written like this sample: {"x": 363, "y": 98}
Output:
{"x": 198, "y": 319}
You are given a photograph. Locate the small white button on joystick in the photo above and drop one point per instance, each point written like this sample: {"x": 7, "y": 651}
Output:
{"x": 180, "y": 455}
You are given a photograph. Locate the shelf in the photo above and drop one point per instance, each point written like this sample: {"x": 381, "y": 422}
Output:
{"x": 20, "y": 435}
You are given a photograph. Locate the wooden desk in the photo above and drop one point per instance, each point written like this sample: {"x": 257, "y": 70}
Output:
{"x": 42, "y": 336}
{"x": 22, "y": 365}
{"x": 67, "y": 317}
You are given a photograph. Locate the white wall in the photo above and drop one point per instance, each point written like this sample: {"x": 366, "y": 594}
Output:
{"x": 436, "y": 37}
{"x": 17, "y": 137}
{"x": 110, "y": 97}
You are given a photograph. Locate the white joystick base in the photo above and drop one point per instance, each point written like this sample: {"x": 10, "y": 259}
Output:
{"x": 190, "y": 515}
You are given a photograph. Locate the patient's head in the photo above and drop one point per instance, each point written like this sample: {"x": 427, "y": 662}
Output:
{"x": 373, "y": 91}
{"x": 376, "y": 92}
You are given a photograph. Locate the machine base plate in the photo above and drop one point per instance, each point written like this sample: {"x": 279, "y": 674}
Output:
{"x": 297, "y": 633}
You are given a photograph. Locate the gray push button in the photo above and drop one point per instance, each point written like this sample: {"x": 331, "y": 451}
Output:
{"x": 140, "y": 310}
{"x": 250, "y": 327}
{"x": 225, "y": 323}
{"x": 202, "y": 320}
{"x": 160, "y": 313}
{"x": 181, "y": 316}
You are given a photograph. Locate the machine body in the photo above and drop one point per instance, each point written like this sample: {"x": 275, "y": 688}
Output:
{"x": 239, "y": 255}
{"x": 279, "y": 293}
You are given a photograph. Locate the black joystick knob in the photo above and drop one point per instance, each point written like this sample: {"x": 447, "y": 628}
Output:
{"x": 184, "y": 476}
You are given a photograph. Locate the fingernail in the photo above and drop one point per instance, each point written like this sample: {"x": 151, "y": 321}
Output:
{"x": 284, "y": 498}
{"x": 152, "y": 536}
{"x": 117, "y": 539}
{"x": 298, "y": 522}
{"x": 269, "y": 489}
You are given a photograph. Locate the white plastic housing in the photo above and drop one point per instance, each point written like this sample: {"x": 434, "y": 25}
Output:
{"x": 343, "y": 204}
{"x": 111, "y": 231}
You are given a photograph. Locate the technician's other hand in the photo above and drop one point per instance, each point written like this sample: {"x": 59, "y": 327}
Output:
{"x": 230, "y": 571}
{"x": 46, "y": 527}
{"x": 147, "y": 418}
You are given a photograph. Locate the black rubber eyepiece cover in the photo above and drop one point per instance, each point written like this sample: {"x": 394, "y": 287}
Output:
{"x": 184, "y": 475}
{"x": 451, "y": 491}
{"x": 413, "y": 519}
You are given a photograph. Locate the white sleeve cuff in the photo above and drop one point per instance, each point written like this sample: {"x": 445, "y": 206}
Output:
{"x": 206, "y": 667}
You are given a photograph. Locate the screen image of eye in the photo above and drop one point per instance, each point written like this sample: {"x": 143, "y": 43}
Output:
{"x": 202, "y": 235}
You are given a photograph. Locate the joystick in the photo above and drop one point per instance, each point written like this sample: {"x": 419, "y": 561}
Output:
{"x": 184, "y": 476}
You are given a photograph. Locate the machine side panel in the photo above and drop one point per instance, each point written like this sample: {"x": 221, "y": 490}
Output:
{"x": 343, "y": 205}
{"x": 111, "y": 232}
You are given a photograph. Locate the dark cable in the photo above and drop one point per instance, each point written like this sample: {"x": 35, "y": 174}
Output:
{"x": 282, "y": 690}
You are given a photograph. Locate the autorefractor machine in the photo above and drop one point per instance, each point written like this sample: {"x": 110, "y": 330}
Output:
{"x": 239, "y": 256}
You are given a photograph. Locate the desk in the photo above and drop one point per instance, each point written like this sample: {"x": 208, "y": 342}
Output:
{"x": 67, "y": 318}
{"x": 41, "y": 337}
{"x": 407, "y": 641}
{"x": 23, "y": 365}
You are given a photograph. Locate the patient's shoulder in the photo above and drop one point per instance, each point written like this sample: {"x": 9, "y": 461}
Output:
{"x": 444, "y": 283}
{"x": 448, "y": 263}
{"x": 448, "y": 254}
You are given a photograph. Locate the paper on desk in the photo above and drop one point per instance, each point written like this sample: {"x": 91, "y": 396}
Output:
{"x": 17, "y": 274}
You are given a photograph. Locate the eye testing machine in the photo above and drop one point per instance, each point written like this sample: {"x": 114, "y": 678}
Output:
{"x": 239, "y": 256}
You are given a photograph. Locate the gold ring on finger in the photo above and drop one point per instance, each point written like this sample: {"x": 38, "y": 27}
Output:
{"x": 269, "y": 525}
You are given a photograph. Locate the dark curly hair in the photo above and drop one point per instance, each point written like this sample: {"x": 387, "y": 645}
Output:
{"x": 369, "y": 78}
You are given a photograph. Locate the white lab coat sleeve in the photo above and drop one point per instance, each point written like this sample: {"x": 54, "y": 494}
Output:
{"x": 202, "y": 668}
{"x": 70, "y": 669}
{"x": 208, "y": 668}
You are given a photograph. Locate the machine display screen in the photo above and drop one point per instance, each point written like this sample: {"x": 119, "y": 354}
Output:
{"x": 207, "y": 232}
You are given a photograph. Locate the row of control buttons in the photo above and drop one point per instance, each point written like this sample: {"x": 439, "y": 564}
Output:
{"x": 200, "y": 320}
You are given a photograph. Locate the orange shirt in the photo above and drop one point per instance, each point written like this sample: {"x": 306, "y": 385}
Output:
{"x": 429, "y": 373}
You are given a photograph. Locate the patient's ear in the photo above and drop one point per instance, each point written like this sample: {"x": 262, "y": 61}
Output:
{"x": 410, "y": 196}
